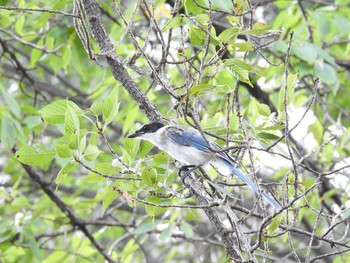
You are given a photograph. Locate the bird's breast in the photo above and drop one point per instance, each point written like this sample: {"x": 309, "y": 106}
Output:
{"x": 187, "y": 155}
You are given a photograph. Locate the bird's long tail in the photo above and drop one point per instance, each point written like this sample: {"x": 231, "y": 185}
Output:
{"x": 252, "y": 185}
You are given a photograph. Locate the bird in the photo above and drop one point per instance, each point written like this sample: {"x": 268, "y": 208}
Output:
{"x": 187, "y": 145}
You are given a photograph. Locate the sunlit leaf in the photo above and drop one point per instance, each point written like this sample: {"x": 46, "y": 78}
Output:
{"x": 63, "y": 150}
{"x": 40, "y": 156}
{"x": 55, "y": 112}
{"x": 64, "y": 172}
{"x": 110, "y": 107}
{"x": 264, "y": 109}
{"x": 91, "y": 152}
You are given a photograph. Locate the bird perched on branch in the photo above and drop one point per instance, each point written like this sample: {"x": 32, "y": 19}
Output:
{"x": 187, "y": 146}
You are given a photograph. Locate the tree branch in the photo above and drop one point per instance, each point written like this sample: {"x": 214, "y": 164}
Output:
{"x": 75, "y": 220}
{"x": 119, "y": 72}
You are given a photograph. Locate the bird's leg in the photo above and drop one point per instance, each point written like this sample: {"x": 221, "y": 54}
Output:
{"x": 187, "y": 170}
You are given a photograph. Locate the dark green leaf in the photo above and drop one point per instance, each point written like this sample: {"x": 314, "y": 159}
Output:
{"x": 267, "y": 136}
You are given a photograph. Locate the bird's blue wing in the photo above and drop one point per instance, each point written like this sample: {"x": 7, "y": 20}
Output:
{"x": 195, "y": 140}
{"x": 189, "y": 140}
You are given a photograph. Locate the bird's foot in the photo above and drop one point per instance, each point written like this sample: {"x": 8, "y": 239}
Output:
{"x": 186, "y": 171}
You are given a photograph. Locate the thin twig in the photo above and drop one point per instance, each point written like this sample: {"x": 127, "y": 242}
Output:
{"x": 41, "y": 10}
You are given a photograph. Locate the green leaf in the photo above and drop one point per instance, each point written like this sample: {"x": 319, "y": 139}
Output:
{"x": 201, "y": 88}
{"x": 55, "y": 257}
{"x": 67, "y": 57}
{"x": 132, "y": 147}
{"x": 256, "y": 31}
{"x": 291, "y": 83}
{"x": 13, "y": 254}
{"x": 55, "y": 112}
{"x": 96, "y": 108}
{"x": 346, "y": 213}
{"x": 32, "y": 121}
{"x": 19, "y": 203}
{"x": 71, "y": 120}
{"x": 103, "y": 168}
{"x": 40, "y": 156}
{"x": 36, "y": 53}
{"x": 78, "y": 140}
{"x": 109, "y": 196}
{"x": 203, "y": 20}
{"x": 93, "y": 177}
{"x": 192, "y": 214}
{"x": 64, "y": 172}
{"x": 73, "y": 142}
{"x": 8, "y": 131}
{"x": 145, "y": 148}
{"x": 267, "y": 136}
{"x": 228, "y": 35}
{"x": 82, "y": 143}
{"x": 239, "y": 63}
{"x": 63, "y": 150}
{"x": 239, "y": 70}
{"x": 197, "y": 36}
{"x": 128, "y": 250}
{"x": 110, "y": 107}
{"x": 93, "y": 138}
{"x": 91, "y": 152}
{"x": 275, "y": 224}
{"x": 19, "y": 25}
{"x": 128, "y": 186}
{"x": 187, "y": 229}
{"x": 166, "y": 233}
{"x": 242, "y": 47}
{"x": 11, "y": 102}
{"x": 234, "y": 122}
{"x": 177, "y": 21}
{"x": 146, "y": 227}
{"x": 306, "y": 52}
{"x": 233, "y": 20}
{"x": 153, "y": 210}
{"x": 325, "y": 72}
{"x": 149, "y": 177}
{"x": 317, "y": 130}
{"x": 264, "y": 109}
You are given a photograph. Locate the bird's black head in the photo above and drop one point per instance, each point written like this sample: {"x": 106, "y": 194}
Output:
{"x": 147, "y": 128}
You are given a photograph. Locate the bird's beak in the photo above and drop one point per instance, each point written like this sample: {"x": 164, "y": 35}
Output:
{"x": 134, "y": 135}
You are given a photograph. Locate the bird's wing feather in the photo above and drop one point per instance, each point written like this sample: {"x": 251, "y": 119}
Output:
{"x": 192, "y": 139}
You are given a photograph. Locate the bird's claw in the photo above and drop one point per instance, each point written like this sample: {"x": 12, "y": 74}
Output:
{"x": 186, "y": 171}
